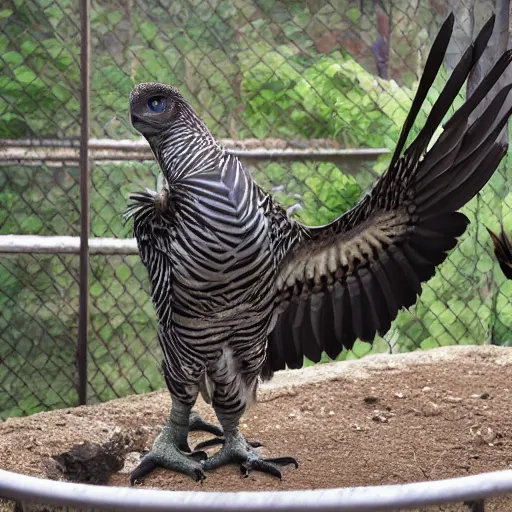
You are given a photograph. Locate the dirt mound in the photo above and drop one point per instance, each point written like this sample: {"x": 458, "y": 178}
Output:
{"x": 381, "y": 420}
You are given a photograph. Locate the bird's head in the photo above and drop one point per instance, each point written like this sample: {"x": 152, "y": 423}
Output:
{"x": 154, "y": 107}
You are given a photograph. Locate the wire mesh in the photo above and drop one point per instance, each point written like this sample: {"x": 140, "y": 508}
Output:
{"x": 303, "y": 74}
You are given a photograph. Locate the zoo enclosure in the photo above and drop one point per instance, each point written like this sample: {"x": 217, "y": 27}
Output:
{"x": 311, "y": 95}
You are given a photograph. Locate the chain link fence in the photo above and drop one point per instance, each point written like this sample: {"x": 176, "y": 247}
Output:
{"x": 316, "y": 76}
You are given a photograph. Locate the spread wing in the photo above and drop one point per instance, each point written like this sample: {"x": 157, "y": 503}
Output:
{"x": 349, "y": 279}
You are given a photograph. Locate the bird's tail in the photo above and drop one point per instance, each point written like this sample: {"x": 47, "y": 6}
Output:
{"x": 468, "y": 151}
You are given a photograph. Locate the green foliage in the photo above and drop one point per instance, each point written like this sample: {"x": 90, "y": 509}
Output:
{"x": 38, "y": 74}
{"x": 332, "y": 97}
{"x": 251, "y": 69}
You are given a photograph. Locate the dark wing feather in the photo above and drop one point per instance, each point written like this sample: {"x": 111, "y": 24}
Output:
{"x": 503, "y": 251}
{"x": 152, "y": 214}
{"x": 152, "y": 217}
{"x": 348, "y": 279}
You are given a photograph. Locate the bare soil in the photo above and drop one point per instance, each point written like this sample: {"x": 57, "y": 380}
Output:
{"x": 381, "y": 420}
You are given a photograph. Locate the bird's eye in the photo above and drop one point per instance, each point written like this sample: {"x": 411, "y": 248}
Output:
{"x": 156, "y": 103}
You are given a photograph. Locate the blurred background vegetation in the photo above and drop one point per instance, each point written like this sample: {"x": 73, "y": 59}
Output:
{"x": 313, "y": 73}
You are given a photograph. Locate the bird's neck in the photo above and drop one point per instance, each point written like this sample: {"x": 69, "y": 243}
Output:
{"x": 186, "y": 151}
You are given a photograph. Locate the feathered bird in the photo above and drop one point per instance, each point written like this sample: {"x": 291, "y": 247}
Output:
{"x": 503, "y": 251}
{"x": 241, "y": 290}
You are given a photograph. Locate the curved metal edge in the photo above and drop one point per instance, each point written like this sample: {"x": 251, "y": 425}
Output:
{"x": 361, "y": 499}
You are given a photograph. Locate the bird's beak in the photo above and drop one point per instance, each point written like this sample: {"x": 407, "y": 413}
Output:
{"x": 136, "y": 121}
{"x": 143, "y": 126}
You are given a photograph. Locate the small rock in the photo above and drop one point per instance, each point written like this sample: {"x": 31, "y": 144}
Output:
{"x": 483, "y": 435}
{"x": 357, "y": 428}
{"x": 453, "y": 399}
{"x": 399, "y": 395}
{"x": 427, "y": 408}
{"x": 426, "y": 388}
{"x": 381, "y": 416}
{"x": 483, "y": 396}
{"x": 331, "y": 413}
{"x": 291, "y": 415}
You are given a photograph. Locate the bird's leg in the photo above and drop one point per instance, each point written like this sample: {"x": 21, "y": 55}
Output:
{"x": 236, "y": 449}
{"x": 170, "y": 449}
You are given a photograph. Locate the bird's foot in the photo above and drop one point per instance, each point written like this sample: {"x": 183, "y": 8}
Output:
{"x": 220, "y": 440}
{"x": 195, "y": 422}
{"x": 166, "y": 454}
{"x": 238, "y": 450}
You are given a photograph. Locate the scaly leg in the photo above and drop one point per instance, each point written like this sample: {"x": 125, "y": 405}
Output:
{"x": 229, "y": 406}
{"x": 171, "y": 450}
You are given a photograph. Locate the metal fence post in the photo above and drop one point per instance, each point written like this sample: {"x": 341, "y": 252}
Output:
{"x": 84, "y": 200}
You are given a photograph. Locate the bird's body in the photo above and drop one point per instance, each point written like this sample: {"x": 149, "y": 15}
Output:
{"x": 241, "y": 290}
{"x": 213, "y": 256}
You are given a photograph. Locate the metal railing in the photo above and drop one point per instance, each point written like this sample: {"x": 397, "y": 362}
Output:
{"x": 472, "y": 490}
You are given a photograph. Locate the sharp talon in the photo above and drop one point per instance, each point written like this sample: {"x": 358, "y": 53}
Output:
{"x": 187, "y": 463}
{"x": 210, "y": 442}
{"x": 197, "y": 423}
{"x": 212, "y": 429}
{"x": 265, "y": 467}
{"x": 220, "y": 440}
{"x": 238, "y": 450}
{"x": 198, "y": 455}
{"x": 199, "y": 476}
{"x": 283, "y": 461}
{"x": 146, "y": 466}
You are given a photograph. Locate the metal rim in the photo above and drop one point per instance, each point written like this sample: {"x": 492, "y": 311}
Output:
{"x": 361, "y": 499}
